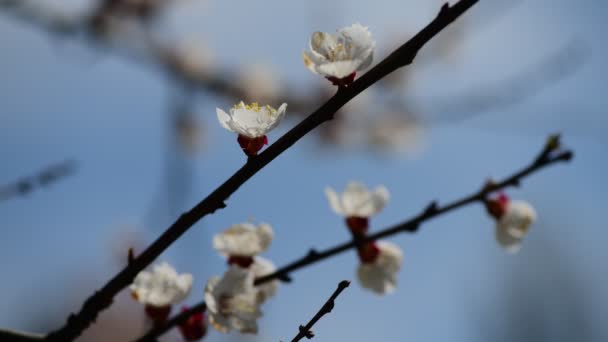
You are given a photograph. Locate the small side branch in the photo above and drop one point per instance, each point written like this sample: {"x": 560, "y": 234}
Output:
{"x": 305, "y": 331}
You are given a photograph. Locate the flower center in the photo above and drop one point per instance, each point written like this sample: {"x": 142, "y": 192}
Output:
{"x": 255, "y": 107}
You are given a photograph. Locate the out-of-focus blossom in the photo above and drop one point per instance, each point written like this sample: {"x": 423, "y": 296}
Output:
{"x": 243, "y": 240}
{"x": 260, "y": 82}
{"x": 513, "y": 220}
{"x": 188, "y": 131}
{"x": 339, "y": 56}
{"x": 261, "y": 267}
{"x": 192, "y": 59}
{"x": 160, "y": 288}
{"x": 195, "y": 327}
{"x": 357, "y": 201}
{"x": 252, "y": 123}
{"x": 396, "y": 133}
{"x": 232, "y": 301}
{"x": 380, "y": 262}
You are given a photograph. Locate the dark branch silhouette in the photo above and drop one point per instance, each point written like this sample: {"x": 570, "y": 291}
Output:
{"x": 404, "y": 55}
{"x": 48, "y": 175}
{"x": 305, "y": 331}
{"x": 549, "y": 155}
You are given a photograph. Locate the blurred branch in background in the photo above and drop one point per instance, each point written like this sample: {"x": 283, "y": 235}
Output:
{"x": 514, "y": 89}
{"x": 123, "y": 27}
{"x": 43, "y": 178}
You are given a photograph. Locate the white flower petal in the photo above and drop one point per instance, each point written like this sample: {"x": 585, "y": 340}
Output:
{"x": 514, "y": 224}
{"x": 232, "y": 302}
{"x": 334, "y": 201}
{"x": 357, "y": 200}
{"x": 338, "y": 69}
{"x": 252, "y": 120}
{"x": 224, "y": 119}
{"x": 244, "y": 239}
{"x": 510, "y": 243}
{"x": 340, "y": 55}
{"x": 381, "y": 275}
{"x": 162, "y": 287}
{"x": 261, "y": 267}
{"x": 322, "y": 44}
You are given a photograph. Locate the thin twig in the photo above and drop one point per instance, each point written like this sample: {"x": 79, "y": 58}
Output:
{"x": 403, "y": 56}
{"x": 547, "y": 156}
{"x": 304, "y": 331}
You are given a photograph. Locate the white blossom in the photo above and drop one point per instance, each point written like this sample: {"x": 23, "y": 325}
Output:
{"x": 339, "y": 55}
{"x": 162, "y": 287}
{"x": 243, "y": 239}
{"x": 232, "y": 301}
{"x": 252, "y": 120}
{"x": 261, "y": 267}
{"x": 380, "y": 276}
{"x": 357, "y": 200}
{"x": 513, "y": 224}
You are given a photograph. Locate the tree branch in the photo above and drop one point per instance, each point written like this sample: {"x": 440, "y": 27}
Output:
{"x": 545, "y": 158}
{"x": 403, "y": 56}
{"x": 549, "y": 155}
{"x": 304, "y": 331}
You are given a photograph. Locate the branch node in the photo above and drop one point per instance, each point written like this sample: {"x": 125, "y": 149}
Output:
{"x": 130, "y": 256}
{"x": 431, "y": 209}
{"x": 312, "y": 253}
{"x": 284, "y": 278}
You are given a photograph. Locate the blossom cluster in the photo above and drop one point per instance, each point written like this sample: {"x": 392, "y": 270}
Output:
{"x": 380, "y": 260}
{"x": 233, "y": 300}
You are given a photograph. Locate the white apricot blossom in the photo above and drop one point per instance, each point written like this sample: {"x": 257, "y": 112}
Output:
{"x": 262, "y": 267}
{"x": 232, "y": 301}
{"x": 339, "y": 56}
{"x": 243, "y": 239}
{"x": 161, "y": 287}
{"x": 357, "y": 200}
{"x": 251, "y": 121}
{"x": 513, "y": 224}
{"x": 380, "y": 275}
